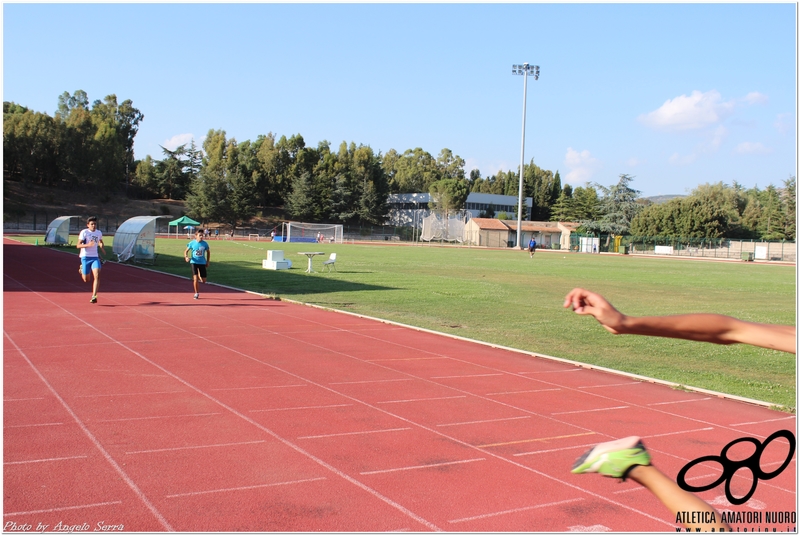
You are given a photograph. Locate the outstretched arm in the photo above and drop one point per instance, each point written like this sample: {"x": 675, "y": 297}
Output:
{"x": 713, "y": 328}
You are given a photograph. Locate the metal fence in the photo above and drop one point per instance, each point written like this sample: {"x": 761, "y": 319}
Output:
{"x": 722, "y": 248}
{"x": 38, "y": 220}
{"x": 768, "y": 251}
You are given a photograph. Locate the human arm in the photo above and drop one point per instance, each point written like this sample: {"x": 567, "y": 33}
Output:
{"x": 186, "y": 254}
{"x": 714, "y": 328}
{"x": 696, "y": 513}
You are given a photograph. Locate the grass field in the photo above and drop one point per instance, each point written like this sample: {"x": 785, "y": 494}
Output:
{"x": 506, "y": 298}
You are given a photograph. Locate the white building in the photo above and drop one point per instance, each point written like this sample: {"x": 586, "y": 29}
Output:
{"x": 408, "y": 209}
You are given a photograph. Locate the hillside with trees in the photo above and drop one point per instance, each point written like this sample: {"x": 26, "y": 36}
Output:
{"x": 90, "y": 147}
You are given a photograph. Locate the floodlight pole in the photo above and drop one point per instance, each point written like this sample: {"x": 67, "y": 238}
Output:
{"x": 524, "y": 70}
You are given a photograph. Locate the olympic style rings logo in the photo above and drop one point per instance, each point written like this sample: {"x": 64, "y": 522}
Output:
{"x": 731, "y": 467}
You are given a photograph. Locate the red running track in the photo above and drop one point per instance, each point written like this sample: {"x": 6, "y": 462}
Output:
{"x": 236, "y": 413}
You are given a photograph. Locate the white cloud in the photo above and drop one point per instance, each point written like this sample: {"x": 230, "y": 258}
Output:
{"x": 178, "y": 140}
{"x": 755, "y": 98}
{"x": 748, "y": 147}
{"x": 692, "y": 112}
{"x": 582, "y": 165}
{"x": 697, "y": 110}
{"x": 784, "y": 123}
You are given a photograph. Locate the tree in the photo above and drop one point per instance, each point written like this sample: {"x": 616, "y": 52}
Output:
{"x": 544, "y": 188}
{"x": 789, "y": 208}
{"x": 413, "y": 172}
{"x": 564, "y": 207}
{"x": 301, "y": 201}
{"x": 67, "y": 103}
{"x": 450, "y": 165}
{"x": 586, "y": 204}
{"x": 618, "y": 207}
{"x": 32, "y": 143}
{"x": 448, "y": 195}
{"x": 173, "y": 181}
{"x": 145, "y": 177}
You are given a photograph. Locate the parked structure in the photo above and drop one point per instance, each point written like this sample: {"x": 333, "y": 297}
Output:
{"x": 499, "y": 233}
{"x": 409, "y": 209}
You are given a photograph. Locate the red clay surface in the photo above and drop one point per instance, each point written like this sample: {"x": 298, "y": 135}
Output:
{"x": 156, "y": 412}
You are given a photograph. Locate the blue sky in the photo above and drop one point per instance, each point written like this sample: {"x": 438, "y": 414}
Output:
{"x": 674, "y": 94}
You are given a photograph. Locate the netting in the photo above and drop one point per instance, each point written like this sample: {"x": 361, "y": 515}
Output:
{"x": 314, "y": 232}
{"x": 436, "y": 227}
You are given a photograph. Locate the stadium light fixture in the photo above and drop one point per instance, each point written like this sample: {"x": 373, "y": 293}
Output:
{"x": 524, "y": 70}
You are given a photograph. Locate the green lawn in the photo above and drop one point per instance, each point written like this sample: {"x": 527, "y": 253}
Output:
{"x": 504, "y": 297}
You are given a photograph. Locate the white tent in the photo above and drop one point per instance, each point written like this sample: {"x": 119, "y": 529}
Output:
{"x": 58, "y": 231}
{"x": 135, "y": 238}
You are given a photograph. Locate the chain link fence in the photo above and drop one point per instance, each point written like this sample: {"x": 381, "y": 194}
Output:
{"x": 33, "y": 221}
{"x": 722, "y": 248}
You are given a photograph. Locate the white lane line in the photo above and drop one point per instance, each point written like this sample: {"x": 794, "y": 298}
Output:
{"x": 254, "y": 387}
{"x": 303, "y": 408}
{"x": 484, "y": 421}
{"x": 593, "y": 410}
{"x": 540, "y": 439}
{"x": 420, "y": 467}
{"x": 553, "y": 371}
{"x": 679, "y": 432}
{"x": 249, "y": 487}
{"x": 51, "y": 459}
{"x": 607, "y": 386}
{"x": 523, "y": 391}
{"x": 371, "y": 381}
{"x": 634, "y": 489}
{"x": 180, "y": 448}
{"x": 93, "y": 439}
{"x": 133, "y": 394}
{"x": 356, "y": 433}
{"x": 20, "y": 399}
{"x": 468, "y": 376}
{"x": 520, "y": 509}
{"x": 583, "y": 446}
{"x": 57, "y": 509}
{"x": 673, "y": 402}
{"x": 157, "y": 417}
{"x": 31, "y": 425}
{"x": 419, "y": 399}
{"x": 207, "y": 395}
{"x": 411, "y": 358}
{"x": 764, "y": 421}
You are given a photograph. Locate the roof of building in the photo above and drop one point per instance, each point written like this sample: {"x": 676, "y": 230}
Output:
{"x": 485, "y": 223}
{"x": 535, "y": 226}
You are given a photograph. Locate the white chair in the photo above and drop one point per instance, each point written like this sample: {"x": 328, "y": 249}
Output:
{"x": 330, "y": 262}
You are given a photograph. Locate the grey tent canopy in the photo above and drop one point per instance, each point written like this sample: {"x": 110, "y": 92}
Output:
{"x": 185, "y": 221}
{"x": 58, "y": 231}
{"x": 135, "y": 239}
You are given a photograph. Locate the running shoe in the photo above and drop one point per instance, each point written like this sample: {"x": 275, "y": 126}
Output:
{"x": 613, "y": 459}
{"x": 196, "y": 296}
{"x": 94, "y": 299}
